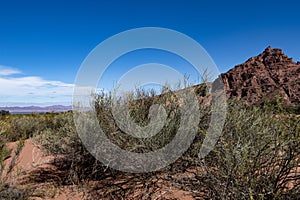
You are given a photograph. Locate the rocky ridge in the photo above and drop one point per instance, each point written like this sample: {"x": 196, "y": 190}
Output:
{"x": 265, "y": 77}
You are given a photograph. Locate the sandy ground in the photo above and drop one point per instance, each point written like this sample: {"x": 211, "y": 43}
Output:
{"x": 33, "y": 162}
{"x": 32, "y": 159}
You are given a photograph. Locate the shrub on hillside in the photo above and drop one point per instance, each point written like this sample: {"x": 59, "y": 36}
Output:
{"x": 256, "y": 157}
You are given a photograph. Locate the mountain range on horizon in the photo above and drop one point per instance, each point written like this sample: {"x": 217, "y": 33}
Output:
{"x": 39, "y": 109}
{"x": 264, "y": 77}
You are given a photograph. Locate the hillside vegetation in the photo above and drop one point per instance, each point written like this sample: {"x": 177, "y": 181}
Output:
{"x": 256, "y": 157}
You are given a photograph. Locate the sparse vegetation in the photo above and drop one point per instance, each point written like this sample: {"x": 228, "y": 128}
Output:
{"x": 7, "y": 163}
{"x": 4, "y": 113}
{"x": 26, "y": 125}
{"x": 256, "y": 157}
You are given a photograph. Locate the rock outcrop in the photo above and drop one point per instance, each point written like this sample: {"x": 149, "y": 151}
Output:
{"x": 265, "y": 77}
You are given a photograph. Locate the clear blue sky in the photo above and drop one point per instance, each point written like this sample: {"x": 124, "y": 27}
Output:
{"x": 45, "y": 42}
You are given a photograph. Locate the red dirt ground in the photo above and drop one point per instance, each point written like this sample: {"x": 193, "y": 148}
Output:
{"x": 32, "y": 158}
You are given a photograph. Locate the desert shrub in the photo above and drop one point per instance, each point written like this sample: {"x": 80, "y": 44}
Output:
{"x": 7, "y": 190}
{"x": 293, "y": 109}
{"x": 4, "y": 112}
{"x": 62, "y": 141}
{"x": 25, "y": 126}
{"x": 255, "y": 158}
{"x": 139, "y": 103}
{"x": 278, "y": 105}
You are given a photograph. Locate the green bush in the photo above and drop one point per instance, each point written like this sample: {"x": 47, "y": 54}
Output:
{"x": 25, "y": 126}
{"x": 255, "y": 158}
{"x": 4, "y": 113}
{"x": 7, "y": 191}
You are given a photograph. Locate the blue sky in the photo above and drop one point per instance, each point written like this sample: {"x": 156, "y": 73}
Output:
{"x": 43, "y": 43}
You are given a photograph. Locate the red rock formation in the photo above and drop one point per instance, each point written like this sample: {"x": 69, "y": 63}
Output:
{"x": 267, "y": 76}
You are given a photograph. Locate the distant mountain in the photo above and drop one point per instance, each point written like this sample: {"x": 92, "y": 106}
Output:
{"x": 39, "y": 109}
{"x": 265, "y": 77}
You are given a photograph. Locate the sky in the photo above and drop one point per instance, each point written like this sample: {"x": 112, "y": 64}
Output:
{"x": 44, "y": 43}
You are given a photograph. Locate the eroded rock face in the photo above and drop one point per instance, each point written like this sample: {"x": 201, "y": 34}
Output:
{"x": 267, "y": 76}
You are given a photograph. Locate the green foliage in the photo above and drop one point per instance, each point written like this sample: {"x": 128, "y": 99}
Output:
{"x": 293, "y": 109}
{"x": 139, "y": 104}
{"x": 255, "y": 158}
{"x": 4, "y": 113}
{"x": 278, "y": 105}
{"x": 7, "y": 163}
{"x": 19, "y": 126}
